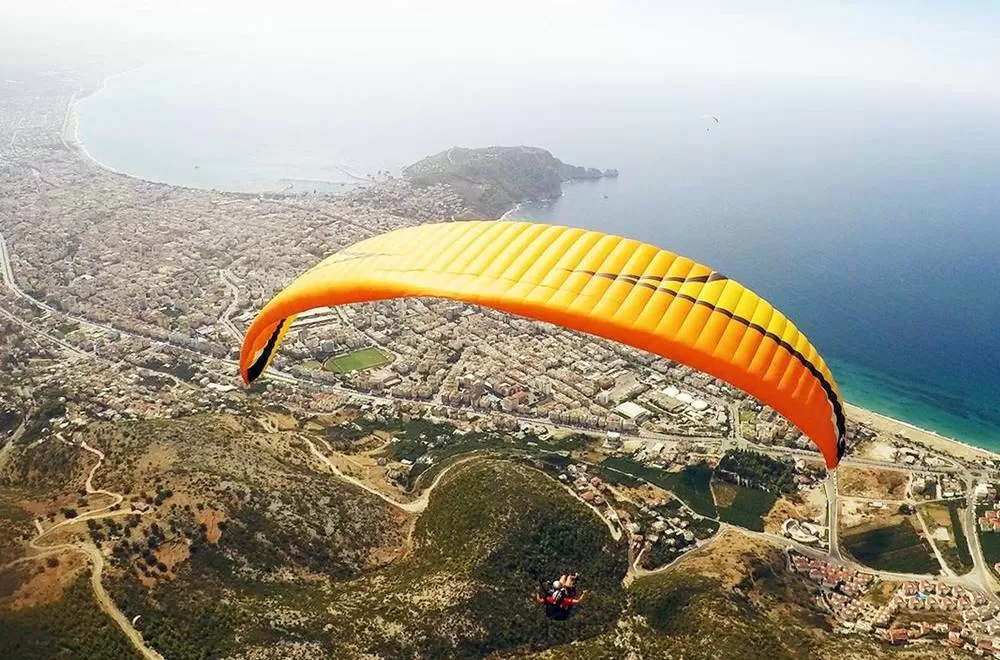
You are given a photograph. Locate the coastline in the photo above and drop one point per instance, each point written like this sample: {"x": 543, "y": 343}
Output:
{"x": 508, "y": 214}
{"x": 71, "y": 128}
{"x": 883, "y": 423}
{"x": 70, "y": 137}
{"x": 896, "y": 427}
{"x": 71, "y": 140}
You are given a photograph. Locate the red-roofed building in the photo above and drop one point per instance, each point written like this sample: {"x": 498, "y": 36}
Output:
{"x": 898, "y": 636}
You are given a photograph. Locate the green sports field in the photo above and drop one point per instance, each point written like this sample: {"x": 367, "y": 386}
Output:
{"x": 366, "y": 358}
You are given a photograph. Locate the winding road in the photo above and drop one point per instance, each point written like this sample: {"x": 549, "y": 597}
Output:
{"x": 414, "y": 506}
{"x": 93, "y": 554}
{"x": 980, "y": 578}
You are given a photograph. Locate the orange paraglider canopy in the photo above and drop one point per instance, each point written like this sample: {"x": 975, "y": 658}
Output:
{"x": 604, "y": 285}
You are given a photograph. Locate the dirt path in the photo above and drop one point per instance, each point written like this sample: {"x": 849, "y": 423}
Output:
{"x": 616, "y": 533}
{"x": 937, "y": 553}
{"x": 638, "y": 572}
{"x": 415, "y": 507}
{"x": 104, "y": 599}
{"x": 89, "y": 484}
{"x": 93, "y": 554}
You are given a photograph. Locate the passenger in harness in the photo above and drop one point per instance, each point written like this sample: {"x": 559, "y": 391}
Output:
{"x": 560, "y": 598}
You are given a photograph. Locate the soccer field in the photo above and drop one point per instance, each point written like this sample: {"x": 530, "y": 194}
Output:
{"x": 366, "y": 358}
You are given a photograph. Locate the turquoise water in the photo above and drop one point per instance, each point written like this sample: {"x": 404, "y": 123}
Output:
{"x": 901, "y": 308}
{"x": 870, "y": 215}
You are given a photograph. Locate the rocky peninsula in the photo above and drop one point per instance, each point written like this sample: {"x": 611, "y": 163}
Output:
{"x": 493, "y": 179}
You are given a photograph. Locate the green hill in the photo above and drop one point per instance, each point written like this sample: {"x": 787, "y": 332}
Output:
{"x": 491, "y": 533}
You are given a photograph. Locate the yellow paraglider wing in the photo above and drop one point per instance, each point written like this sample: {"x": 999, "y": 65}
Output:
{"x": 604, "y": 285}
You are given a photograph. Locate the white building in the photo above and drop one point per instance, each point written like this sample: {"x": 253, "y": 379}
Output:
{"x": 984, "y": 491}
{"x": 632, "y": 411}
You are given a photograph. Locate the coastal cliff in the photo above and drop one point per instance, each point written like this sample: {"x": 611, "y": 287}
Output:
{"x": 493, "y": 179}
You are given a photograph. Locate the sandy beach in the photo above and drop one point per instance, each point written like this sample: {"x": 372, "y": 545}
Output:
{"x": 71, "y": 136}
{"x": 936, "y": 441}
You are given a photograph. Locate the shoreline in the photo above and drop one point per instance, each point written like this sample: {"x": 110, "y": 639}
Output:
{"x": 71, "y": 139}
{"x": 513, "y": 209}
{"x": 878, "y": 421}
{"x": 70, "y": 136}
{"x": 899, "y": 428}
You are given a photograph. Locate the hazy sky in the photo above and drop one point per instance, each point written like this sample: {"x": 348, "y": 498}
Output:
{"x": 946, "y": 46}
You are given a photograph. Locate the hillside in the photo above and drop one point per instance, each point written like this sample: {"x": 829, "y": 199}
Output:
{"x": 247, "y": 545}
{"x": 244, "y": 545}
{"x": 492, "y": 532}
{"x": 734, "y": 599}
{"x": 493, "y": 179}
{"x": 232, "y": 519}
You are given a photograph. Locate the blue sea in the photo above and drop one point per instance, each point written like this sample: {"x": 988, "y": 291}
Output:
{"x": 869, "y": 214}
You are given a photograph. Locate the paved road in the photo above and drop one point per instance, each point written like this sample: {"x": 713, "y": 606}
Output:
{"x": 736, "y": 440}
{"x": 225, "y": 319}
{"x": 7, "y": 275}
{"x": 981, "y": 572}
{"x": 69, "y": 348}
{"x": 277, "y": 374}
{"x": 6, "y": 272}
{"x": 833, "y": 514}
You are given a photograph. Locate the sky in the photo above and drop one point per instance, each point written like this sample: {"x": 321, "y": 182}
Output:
{"x": 947, "y": 47}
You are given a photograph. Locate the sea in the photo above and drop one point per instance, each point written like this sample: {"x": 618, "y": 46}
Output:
{"x": 869, "y": 213}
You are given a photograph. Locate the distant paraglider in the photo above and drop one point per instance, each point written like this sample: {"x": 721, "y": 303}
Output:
{"x": 605, "y": 285}
{"x": 713, "y": 118}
